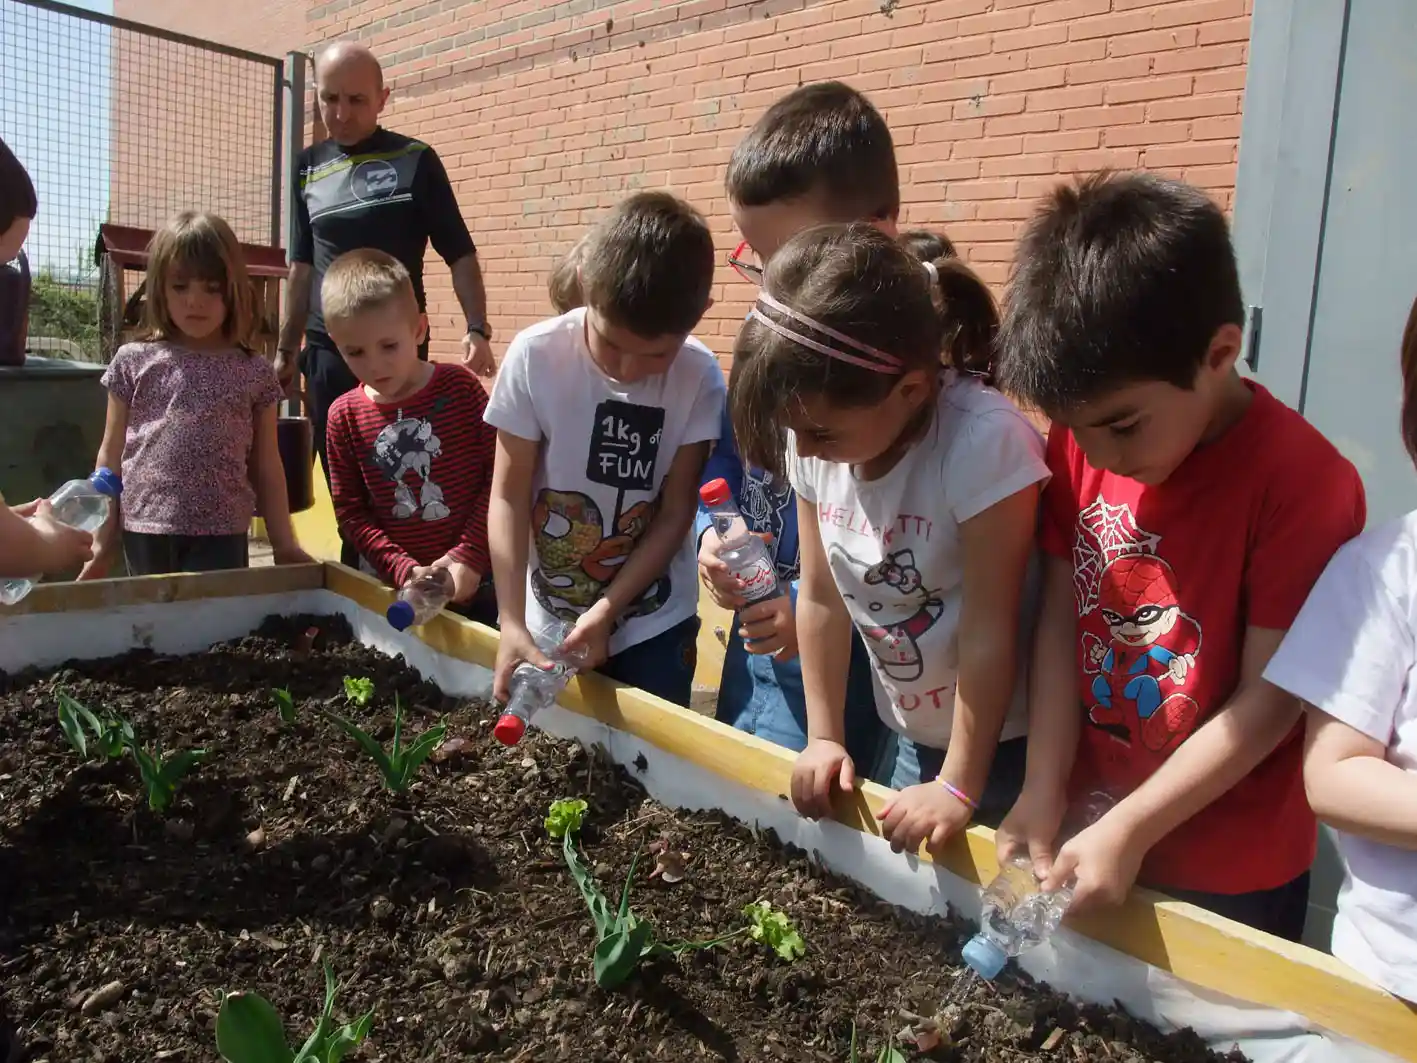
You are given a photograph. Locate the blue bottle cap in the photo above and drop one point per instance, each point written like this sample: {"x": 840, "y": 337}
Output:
{"x": 400, "y": 615}
{"x": 985, "y": 957}
{"x": 107, "y": 482}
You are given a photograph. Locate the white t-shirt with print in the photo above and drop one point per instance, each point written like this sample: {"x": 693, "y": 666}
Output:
{"x": 894, "y": 548}
{"x": 605, "y": 450}
{"x": 1352, "y": 652}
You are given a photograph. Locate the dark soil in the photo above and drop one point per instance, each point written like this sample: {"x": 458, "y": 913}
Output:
{"x": 447, "y": 910}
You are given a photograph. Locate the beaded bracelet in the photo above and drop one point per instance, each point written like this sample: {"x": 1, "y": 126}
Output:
{"x": 959, "y": 795}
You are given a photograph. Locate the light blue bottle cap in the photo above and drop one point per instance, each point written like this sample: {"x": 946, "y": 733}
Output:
{"x": 985, "y": 957}
{"x": 400, "y": 615}
{"x": 107, "y": 482}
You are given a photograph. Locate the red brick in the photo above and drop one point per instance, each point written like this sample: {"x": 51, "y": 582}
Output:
{"x": 1109, "y": 70}
{"x": 1070, "y": 140}
{"x": 1067, "y": 10}
{"x": 1179, "y": 155}
{"x": 1033, "y": 37}
{"x": 1005, "y": 210}
{"x": 1065, "y": 99}
{"x": 1109, "y": 25}
{"x": 950, "y": 170}
{"x": 1121, "y": 136}
{"x": 1027, "y": 122}
{"x": 1149, "y": 89}
{"x": 960, "y": 89}
{"x": 1226, "y": 127}
{"x": 985, "y": 106}
{"x": 987, "y": 146}
{"x": 1194, "y": 107}
{"x": 1212, "y": 177}
{"x": 1084, "y": 162}
{"x": 958, "y": 48}
{"x": 987, "y": 65}
{"x": 1024, "y": 80}
{"x": 1152, "y": 43}
{"x": 1198, "y": 12}
{"x": 1093, "y": 117}
{"x": 1019, "y": 165}
{"x": 1235, "y": 29}
{"x": 1211, "y": 58}
{"x": 968, "y": 190}
{"x": 1221, "y": 81}
{"x": 993, "y": 21}
{"x": 1064, "y": 54}
{"x": 949, "y": 132}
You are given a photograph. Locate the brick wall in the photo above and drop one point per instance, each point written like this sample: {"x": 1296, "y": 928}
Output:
{"x": 547, "y": 113}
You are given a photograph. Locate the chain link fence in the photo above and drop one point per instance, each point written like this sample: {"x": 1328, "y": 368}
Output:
{"x": 123, "y": 123}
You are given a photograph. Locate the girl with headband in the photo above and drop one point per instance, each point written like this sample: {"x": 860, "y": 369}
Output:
{"x": 917, "y": 489}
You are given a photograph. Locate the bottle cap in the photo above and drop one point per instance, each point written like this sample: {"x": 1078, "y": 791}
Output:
{"x": 400, "y": 615}
{"x": 984, "y": 956}
{"x": 509, "y": 729}
{"x": 107, "y": 482}
{"x": 715, "y": 492}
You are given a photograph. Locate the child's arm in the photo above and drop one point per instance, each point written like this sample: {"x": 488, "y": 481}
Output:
{"x": 996, "y": 544}
{"x": 353, "y": 504}
{"x": 678, "y": 502}
{"x": 38, "y": 544}
{"x": 109, "y": 540}
{"x": 824, "y": 643}
{"x": 267, "y": 473}
{"x": 509, "y": 539}
{"x": 1353, "y": 787}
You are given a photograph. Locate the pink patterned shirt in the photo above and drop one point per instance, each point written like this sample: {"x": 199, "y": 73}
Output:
{"x": 191, "y": 422}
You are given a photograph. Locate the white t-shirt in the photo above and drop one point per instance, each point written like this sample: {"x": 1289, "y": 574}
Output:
{"x": 1352, "y": 652}
{"x": 895, "y": 551}
{"x": 606, "y": 448}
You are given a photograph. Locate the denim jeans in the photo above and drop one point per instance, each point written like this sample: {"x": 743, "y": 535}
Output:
{"x": 916, "y": 763}
{"x": 763, "y": 696}
{"x": 662, "y": 665}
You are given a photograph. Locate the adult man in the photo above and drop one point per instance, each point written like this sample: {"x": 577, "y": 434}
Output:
{"x": 368, "y": 187}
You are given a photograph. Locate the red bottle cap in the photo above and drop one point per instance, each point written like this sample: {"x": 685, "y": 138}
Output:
{"x": 509, "y": 729}
{"x": 715, "y": 492}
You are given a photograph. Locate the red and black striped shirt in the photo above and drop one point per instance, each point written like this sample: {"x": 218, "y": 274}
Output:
{"x": 411, "y": 480}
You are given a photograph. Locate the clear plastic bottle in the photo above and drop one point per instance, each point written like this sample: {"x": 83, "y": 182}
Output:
{"x": 1017, "y": 915}
{"x": 535, "y": 688}
{"x": 421, "y": 599}
{"x": 82, "y": 504}
{"x": 746, "y": 555}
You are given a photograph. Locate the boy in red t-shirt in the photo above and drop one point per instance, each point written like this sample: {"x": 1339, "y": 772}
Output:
{"x": 410, "y": 456}
{"x": 1188, "y": 515}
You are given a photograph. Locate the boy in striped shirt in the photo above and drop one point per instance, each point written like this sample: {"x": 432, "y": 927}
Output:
{"x": 410, "y": 456}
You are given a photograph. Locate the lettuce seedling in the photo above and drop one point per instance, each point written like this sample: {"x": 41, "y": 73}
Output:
{"x": 565, "y": 816}
{"x": 248, "y": 1030}
{"x": 400, "y": 764}
{"x": 774, "y": 930}
{"x": 162, "y": 772}
{"x": 358, "y": 692}
{"x": 109, "y": 737}
{"x": 285, "y": 704}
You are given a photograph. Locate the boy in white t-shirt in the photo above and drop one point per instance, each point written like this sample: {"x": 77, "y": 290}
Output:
{"x": 1352, "y": 656}
{"x": 604, "y": 420}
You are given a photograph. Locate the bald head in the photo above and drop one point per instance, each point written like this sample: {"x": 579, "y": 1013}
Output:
{"x": 351, "y": 89}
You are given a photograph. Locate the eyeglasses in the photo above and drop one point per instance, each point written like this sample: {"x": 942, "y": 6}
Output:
{"x": 750, "y": 271}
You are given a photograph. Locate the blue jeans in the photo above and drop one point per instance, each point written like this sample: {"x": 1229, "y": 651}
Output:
{"x": 916, "y": 763}
{"x": 763, "y": 696}
{"x": 662, "y": 665}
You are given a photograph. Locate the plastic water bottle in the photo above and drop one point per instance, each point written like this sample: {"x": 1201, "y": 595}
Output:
{"x": 421, "y": 599}
{"x": 745, "y": 554}
{"x": 535, "y": 688}
{"x": 1017, "y": 915}
{"x": 82, "y": 504}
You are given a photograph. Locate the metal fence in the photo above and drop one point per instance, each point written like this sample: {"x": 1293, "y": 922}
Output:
{"x": 121, "y": 122}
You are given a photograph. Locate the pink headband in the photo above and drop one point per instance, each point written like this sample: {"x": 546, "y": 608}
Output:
{"x": 883, "y": 363}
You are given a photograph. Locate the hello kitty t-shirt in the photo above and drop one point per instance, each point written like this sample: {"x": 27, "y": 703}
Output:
{"x": 894, "y": 548}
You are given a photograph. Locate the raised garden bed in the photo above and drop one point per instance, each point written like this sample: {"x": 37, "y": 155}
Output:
{"x": 447, "y": 910}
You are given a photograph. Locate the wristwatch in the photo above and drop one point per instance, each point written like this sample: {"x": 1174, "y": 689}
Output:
{"x": 482, "y": 328}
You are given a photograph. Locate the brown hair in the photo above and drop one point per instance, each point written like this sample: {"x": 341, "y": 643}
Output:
{"x": 199, "y": 247}
{"x": 363, "y": 280}
{"x": 857, "y": 281}
{"x": 648, "y": 266}
{"x": 563, "y": 287}
{"x": 1409, "y": 383}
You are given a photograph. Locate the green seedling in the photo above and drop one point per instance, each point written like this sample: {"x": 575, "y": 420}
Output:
{"x": 888, "y": 1053}
{"x": 162, "y": 772}
{"x": 358, "y": 692}
{"x": 774, "y": 930}
{"x": 622, "y": 939}
{"x": 248, "y": 1030}
{"x": 285, "y": 704}
{"x": 84, "y": 730}
{"x": 400, "y": 764}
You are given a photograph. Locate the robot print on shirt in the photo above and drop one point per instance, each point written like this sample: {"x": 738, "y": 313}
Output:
{"x": 892, "y": 609}
{"x": 404, "y": 452}
{"x": 767, "y": 501}
{"x": 1138, "y": 644}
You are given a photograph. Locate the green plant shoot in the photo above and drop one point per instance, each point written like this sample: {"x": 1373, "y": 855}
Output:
{"x": 888, "y": 1054}
{"x": 78, "y": 722}
{"x": 400, "y": 764}
{"x": 565, "y": 816}
{"x": 774, "y": 930}
{"x": 358, "y": 692}
{"x": 285, "y": 704}
{"x": 162, "y": 772}
{"x": 248, "y": 1030}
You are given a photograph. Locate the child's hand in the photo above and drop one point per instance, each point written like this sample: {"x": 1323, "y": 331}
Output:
{"x": 770, "y": 627}
{"x": 925, "y": 812}
{"x": 822, "y": 765}
{"x": 1103, "y": 860}
{"x": 290, "y": 554}
{"x": 64, "y": 547}
{"x": 514, "y": 646}
{"x": 591, "y": 636}
{"x": 466, "y": 579}
{"x": 1031, "y": 827}
{"x": 724, "y": 588}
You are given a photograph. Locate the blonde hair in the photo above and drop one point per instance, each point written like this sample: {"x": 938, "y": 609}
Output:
{"x": 363, "y": 280}
{"x": 564, "y": 284}
{"x": 198, "y": 246}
